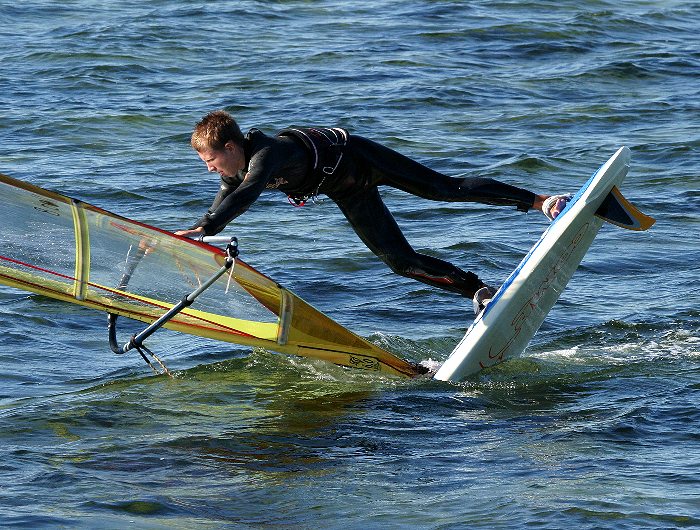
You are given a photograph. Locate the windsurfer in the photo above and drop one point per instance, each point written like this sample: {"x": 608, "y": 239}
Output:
{"x": 306, "y": 162}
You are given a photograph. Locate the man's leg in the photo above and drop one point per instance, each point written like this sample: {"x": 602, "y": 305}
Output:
{"x": 391, "y": 168}
{"x": 377, "y": 228}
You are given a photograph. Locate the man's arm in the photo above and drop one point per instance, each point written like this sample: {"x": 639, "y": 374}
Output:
{"x": 196, "y": 230}
{"x": 233, "y": 204}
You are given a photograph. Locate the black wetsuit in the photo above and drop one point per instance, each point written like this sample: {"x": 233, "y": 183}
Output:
{"x": 304, "y": 162}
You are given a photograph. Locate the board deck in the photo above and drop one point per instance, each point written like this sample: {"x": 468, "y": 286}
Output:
{"x": 510, "y": 320}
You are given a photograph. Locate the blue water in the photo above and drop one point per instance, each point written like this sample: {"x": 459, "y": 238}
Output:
{"x": 596, "y": 426}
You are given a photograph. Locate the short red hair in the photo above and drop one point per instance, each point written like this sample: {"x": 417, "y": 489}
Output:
{"x": 214, "y": 131}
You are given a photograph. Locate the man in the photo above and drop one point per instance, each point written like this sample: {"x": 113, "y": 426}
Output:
{"x": 305, "y": 162}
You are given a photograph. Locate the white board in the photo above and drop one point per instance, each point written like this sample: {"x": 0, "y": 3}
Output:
{"x": 504, "y": 329}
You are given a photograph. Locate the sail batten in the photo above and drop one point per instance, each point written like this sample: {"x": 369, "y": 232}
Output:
{"x": 82, "y": 250}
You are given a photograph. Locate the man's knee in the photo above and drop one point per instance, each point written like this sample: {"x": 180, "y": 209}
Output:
{"x": 415, "y": 268}
{"x": 399, "y": 264}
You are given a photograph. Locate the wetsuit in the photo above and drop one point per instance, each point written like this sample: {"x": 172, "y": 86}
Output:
{"x": 304, "y": 162}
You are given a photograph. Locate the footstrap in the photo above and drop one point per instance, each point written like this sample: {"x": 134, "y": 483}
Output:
{"x": 550, "y": 202}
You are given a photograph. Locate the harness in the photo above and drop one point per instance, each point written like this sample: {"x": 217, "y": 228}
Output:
{"x": 326, "y": 147}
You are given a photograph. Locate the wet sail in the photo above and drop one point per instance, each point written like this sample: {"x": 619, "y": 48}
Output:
{"x": 75, "y": 252}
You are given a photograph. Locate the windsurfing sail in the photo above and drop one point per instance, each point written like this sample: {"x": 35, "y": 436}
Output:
{"x": 75, "y": 252}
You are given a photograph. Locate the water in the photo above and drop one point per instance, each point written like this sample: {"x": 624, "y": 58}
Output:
{"x": 595, "y": 427}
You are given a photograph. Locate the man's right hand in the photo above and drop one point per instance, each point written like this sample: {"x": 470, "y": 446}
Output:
{"x": 193, "y": 233}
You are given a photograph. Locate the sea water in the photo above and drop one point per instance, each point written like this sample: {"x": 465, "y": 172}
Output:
{"x": 596, "y": 426}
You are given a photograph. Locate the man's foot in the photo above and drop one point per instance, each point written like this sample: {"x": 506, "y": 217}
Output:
{"x": 554, "y": 205}
{"x": 482, "y": 297}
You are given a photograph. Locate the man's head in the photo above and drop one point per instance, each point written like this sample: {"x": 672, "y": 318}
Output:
{"x": 219, "y": 142}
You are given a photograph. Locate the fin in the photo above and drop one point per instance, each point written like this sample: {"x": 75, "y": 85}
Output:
{"x": 619, "y": 211}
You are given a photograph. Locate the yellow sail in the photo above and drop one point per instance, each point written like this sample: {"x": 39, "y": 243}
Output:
{"x": 75, "y": 252}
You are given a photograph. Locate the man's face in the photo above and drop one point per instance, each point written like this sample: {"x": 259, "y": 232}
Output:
{"x": 227, "y": 162}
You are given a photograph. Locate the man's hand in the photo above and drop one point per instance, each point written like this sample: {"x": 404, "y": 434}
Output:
{"x": 194, "y": 233}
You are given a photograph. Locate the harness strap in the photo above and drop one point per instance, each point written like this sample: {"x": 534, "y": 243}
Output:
{"x": 326, "y": 147}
